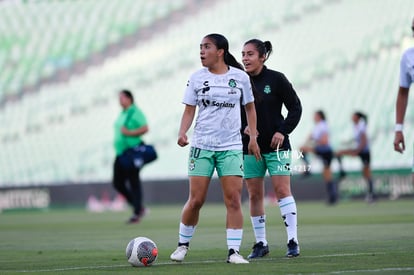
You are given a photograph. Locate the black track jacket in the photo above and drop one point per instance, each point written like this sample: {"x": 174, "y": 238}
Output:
{"x": 273, "y": 90}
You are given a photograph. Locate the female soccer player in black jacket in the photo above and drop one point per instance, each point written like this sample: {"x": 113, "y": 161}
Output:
{"x": 273, "y": 90}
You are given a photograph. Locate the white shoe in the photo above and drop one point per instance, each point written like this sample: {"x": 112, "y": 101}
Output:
{"x": 179, "y": 254}
{"x": 236, "y": 258}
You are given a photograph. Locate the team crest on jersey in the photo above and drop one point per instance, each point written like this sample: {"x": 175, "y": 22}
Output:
{"x": 232, "y": 83}
{"x": 267, "y": 89}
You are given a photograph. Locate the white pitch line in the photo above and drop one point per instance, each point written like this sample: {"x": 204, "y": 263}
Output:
{"x": 217, "y": 261}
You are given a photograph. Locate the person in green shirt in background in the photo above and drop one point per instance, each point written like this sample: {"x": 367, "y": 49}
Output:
{"x": 129, "y": 127}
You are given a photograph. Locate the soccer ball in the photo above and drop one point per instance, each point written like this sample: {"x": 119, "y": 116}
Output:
{"x": 141, "y": 251}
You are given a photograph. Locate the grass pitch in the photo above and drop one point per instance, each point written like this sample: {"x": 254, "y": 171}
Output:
{"x": 352, "y": 237}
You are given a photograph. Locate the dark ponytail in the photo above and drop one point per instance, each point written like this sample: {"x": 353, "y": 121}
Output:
{"x": 221, "y": 43}
{"x": 230, "y": 60}
{"x": 264, "y": 49}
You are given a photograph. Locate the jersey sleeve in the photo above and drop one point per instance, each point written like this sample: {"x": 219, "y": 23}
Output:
{"x": 190, "y": 95}
{"x": 247, "y": 92}
{"x": 140, "y": 118}
{"x": 362, "y": 127}
{"x": 405, "y": 77}
{"x": 137, "y": 119}
{"x": 292, "y": 104}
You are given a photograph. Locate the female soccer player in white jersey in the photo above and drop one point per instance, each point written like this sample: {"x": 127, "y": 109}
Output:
{"x": 362, "y": 150}
{"x": 318, "y": 143}
{"x": 273, "y": 91}
{"x": 219, "y": 89}
{"x": 406, "y": 79}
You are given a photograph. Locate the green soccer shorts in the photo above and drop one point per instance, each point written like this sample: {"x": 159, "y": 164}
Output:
{"x": 203, "y": 162}
{"x": 276, "y": 163}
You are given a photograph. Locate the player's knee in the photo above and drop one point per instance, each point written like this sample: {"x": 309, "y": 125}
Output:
{"x": 195, "y": 203}
{"x": 255, "y": 197}
{"x": 233, "y": 203}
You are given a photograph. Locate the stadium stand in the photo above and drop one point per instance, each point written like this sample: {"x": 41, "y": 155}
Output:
{"x": 41, "y": 37}
{"x": 63, "y": 62}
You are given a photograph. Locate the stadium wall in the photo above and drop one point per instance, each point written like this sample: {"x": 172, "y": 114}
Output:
{"x": 387, "y": 186}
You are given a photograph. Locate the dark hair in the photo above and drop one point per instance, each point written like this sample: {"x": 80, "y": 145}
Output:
{"x": 321, "y": 114}
{"x": 361, "y": 115}
{"x": 265, "y": 49}
{"x": 221, "y": 43}
{"x": 128, "y": 94}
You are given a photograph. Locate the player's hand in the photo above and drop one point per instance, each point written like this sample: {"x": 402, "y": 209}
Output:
{"x": 399, "y": 144}
{"x": 182, "y": 140}
{"x": 277, "y": 140}
{"x": 253, "y": 148}
{"x": 247, "y": 131}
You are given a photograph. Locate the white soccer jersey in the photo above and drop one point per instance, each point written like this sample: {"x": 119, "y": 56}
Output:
{"x": 407, "y": 68}
{"x": 359, "y": 129}
{"x": 218, "y": 98}
{"x": 320, "y": 129}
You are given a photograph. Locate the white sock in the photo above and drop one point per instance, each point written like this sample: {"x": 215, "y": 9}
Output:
{"x": 234, "y": 238}
{"x": 288, "y": 210}
{"x": 259, "y": 228}
{"x": 186, "y": 233}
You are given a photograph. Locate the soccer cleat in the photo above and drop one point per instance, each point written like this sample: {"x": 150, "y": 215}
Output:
{"x": 259, "y": 250}
{"x": 134, "y": 219}
{"x": 179, "y": 254}
{"x": 235, "y": 258}
{"x": 293, "y": 249}
{"x": 144, "y": 211}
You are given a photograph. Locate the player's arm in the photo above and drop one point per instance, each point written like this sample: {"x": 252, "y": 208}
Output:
{"x": 401, "y": 107}
{"x": 354, "y": 151}
{"x": 293, "y": 105}
{"x": 362, "y": 144}
{"x": 135, "y": 132}
{"x": 186, "y": 121}
{"x": 135, "y": 124}
{"x": 253, "y": 147}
